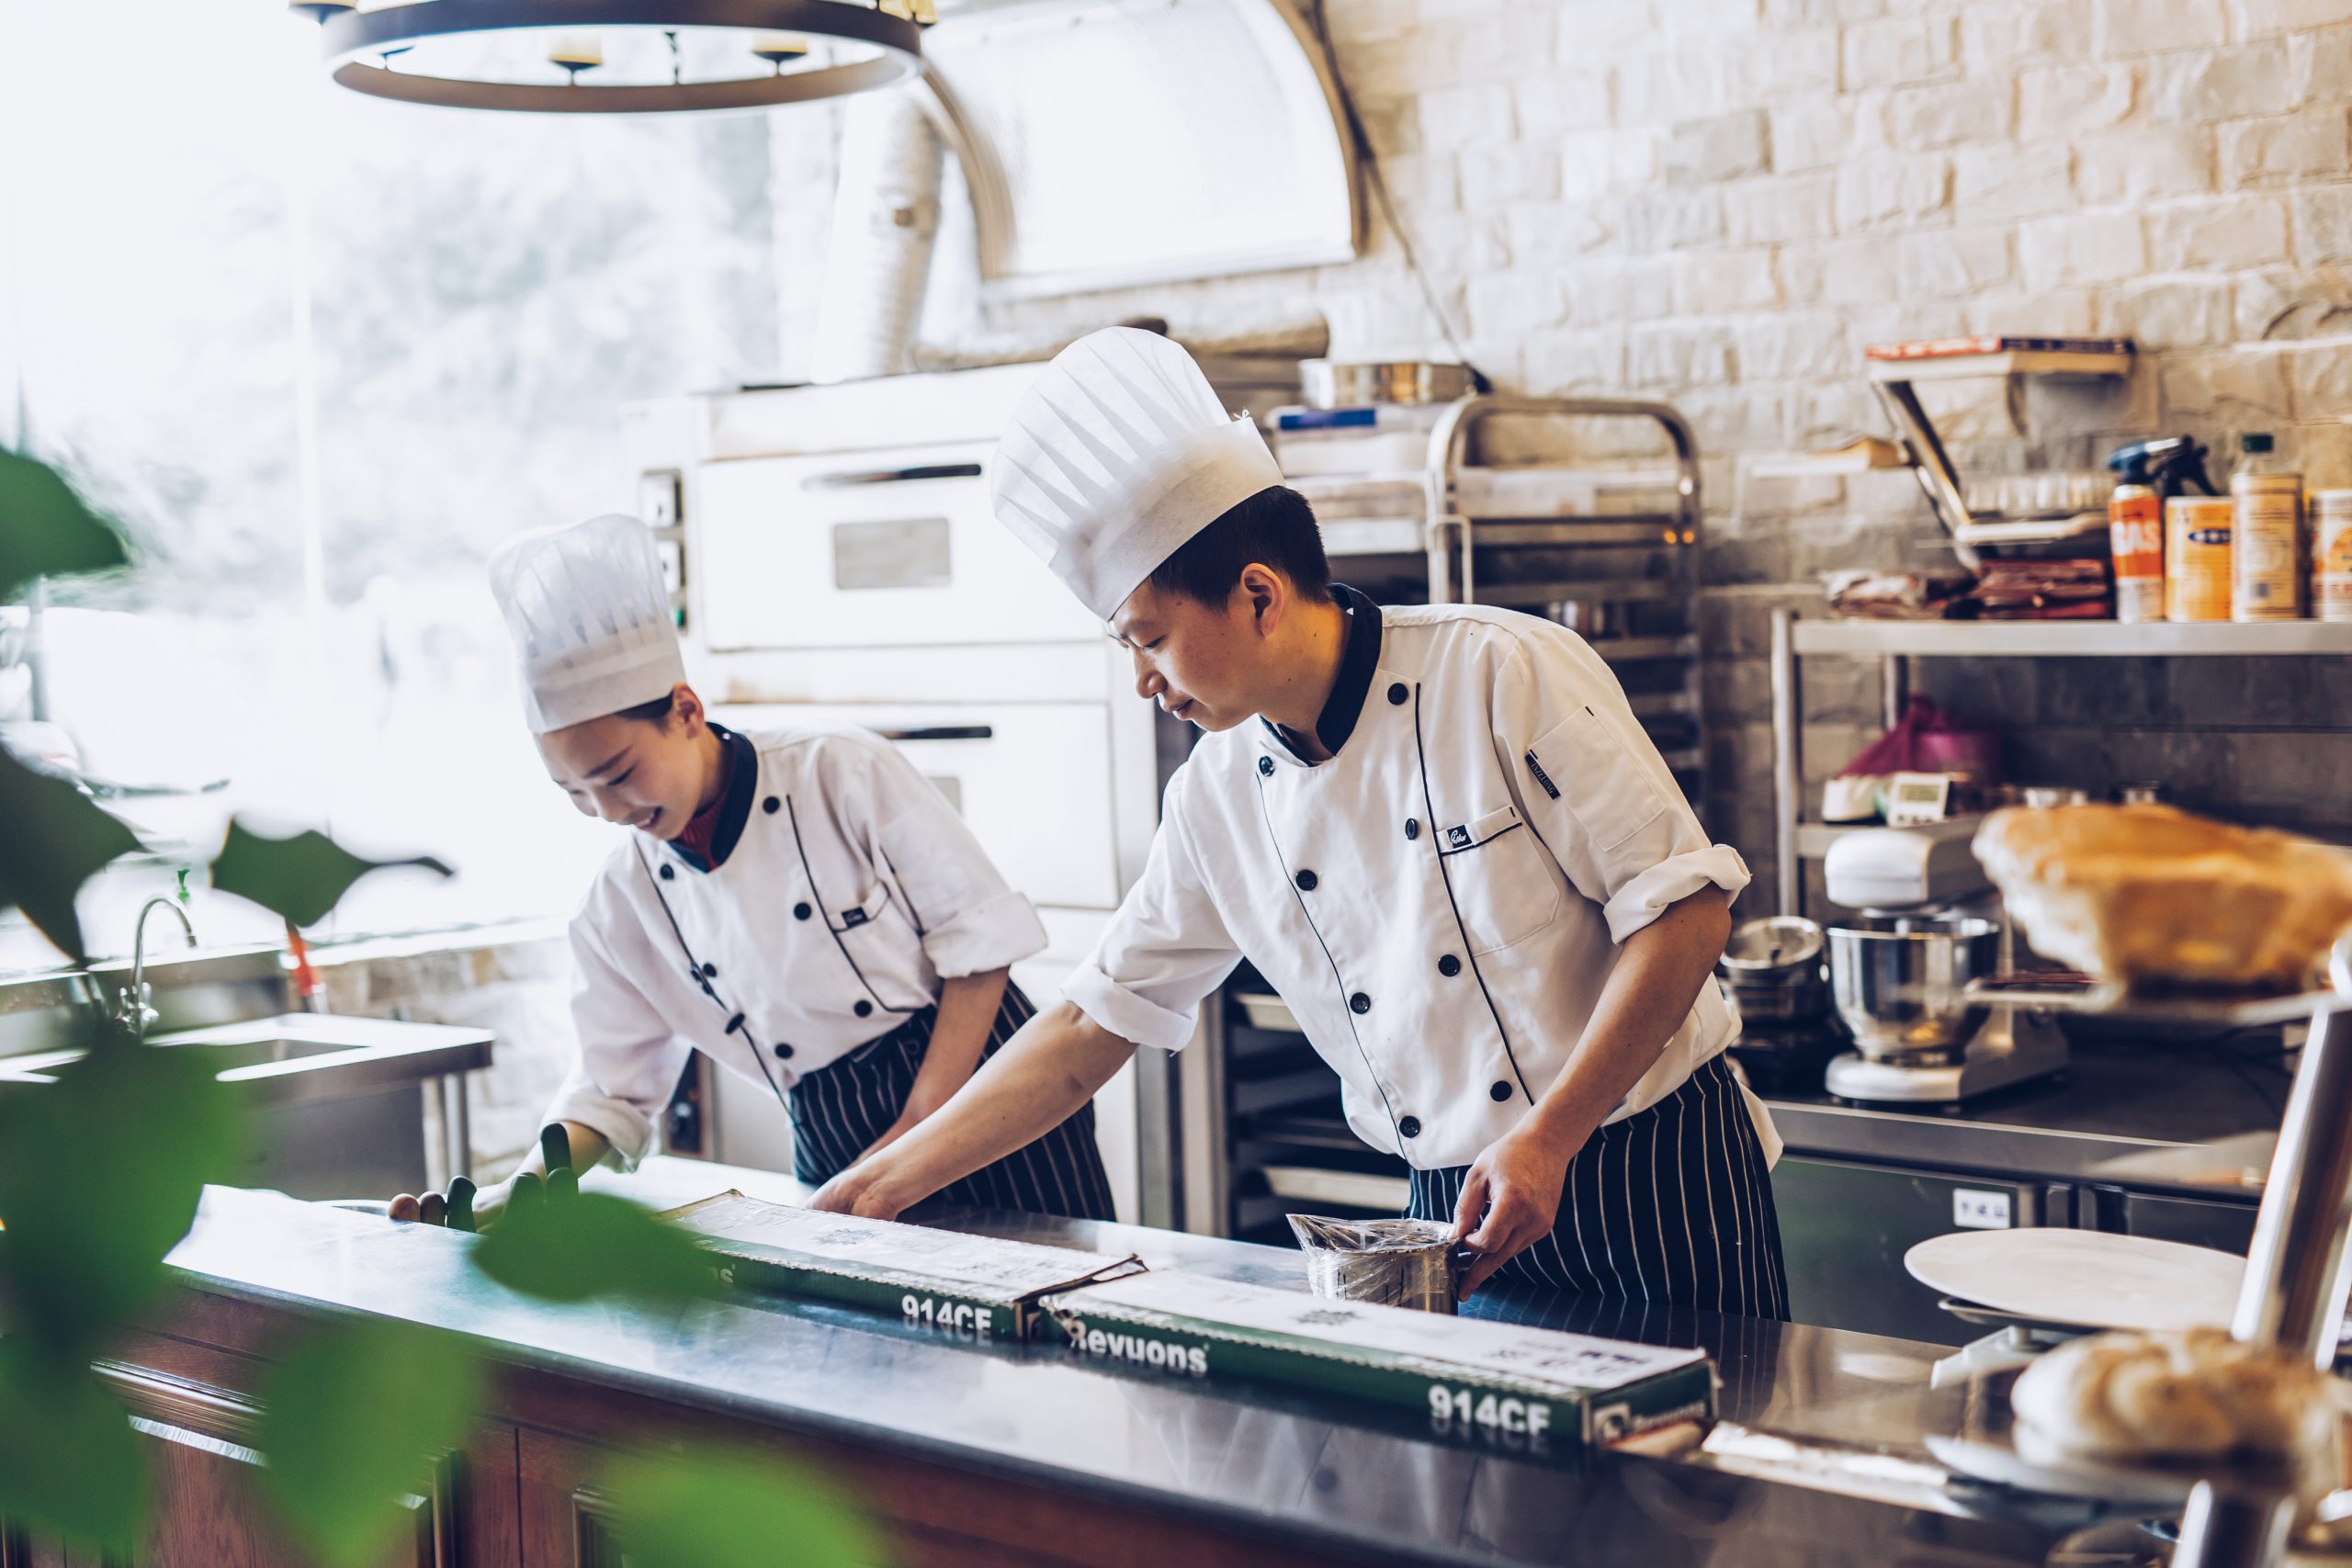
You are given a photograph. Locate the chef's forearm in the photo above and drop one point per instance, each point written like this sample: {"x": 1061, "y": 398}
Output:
{"x": 1036, "y": 1083}
{"x": 968, "y": 1007}
{"x": 588, "y": 1147}
{"x": 1650, "y": 989}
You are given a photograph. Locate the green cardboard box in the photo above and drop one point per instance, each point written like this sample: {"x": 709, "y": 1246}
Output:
{"x": 1474, "y": 1378}
{"x": 968, "y": 1287}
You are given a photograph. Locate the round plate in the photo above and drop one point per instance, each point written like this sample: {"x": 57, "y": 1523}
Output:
{"x": 2083, "y": 1278}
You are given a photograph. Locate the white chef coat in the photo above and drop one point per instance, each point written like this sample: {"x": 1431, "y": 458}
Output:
{"x": 1440, "y": 903}
{"x": 846, "y": 888}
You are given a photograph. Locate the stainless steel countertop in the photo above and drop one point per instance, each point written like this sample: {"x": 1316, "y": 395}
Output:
{"x": 1276, "y": 1463}
{"x": 2113, "y": 1099}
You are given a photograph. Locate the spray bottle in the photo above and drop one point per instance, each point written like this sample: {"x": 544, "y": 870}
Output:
{"x": 2149, "y": 473}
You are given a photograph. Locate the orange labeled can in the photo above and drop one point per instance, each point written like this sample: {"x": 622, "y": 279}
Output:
{"x": 2197, "y": 558}
{"x": 2135, "y": 536}
{"x": 2332, "y": 554}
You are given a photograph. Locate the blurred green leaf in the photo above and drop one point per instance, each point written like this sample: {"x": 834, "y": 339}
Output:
{"x": 55, "y": 841}
{"x": 99, "y": 1175}
{"x": 733, "y": 1510}
{"x": 45, "y": 531}
{"x": 593, "y": 1245}
{"x": 301, "y": 877}
{"x": 353, "y": 1421}
{"x": 70, "y": 1466}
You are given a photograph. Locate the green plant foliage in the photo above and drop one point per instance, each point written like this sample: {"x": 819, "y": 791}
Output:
{"x": 570, "y": 1248}
{"x": 353, "y": 1422}
{"x": 45, "y": 530}
{"x": 55, "y": 841}
{"x": 717, "y": 1508}
{"x": 301, "y": 877}
{"x": 70, "y": 1466}
{"x": 99, "y": 1176}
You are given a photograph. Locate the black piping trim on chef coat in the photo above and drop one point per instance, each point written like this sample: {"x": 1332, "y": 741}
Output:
{"x": 792, "y": 816}
{"x": 736, "y": 1021}
{"x": 1359, "y": 661}
{"x": 1469, "y": 948}
{"x": 1282, "y": 861}
{"x": 735, "y": 807}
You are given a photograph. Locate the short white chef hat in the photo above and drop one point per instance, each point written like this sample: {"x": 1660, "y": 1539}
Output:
{"x": 1118, "y": 455}
{"x": 590, "y": 615}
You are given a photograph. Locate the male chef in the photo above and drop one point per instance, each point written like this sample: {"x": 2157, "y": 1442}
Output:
{"x": 1438, "y": 831}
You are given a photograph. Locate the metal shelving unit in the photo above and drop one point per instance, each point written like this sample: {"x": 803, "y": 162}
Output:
{"x": 1893, "y": 643}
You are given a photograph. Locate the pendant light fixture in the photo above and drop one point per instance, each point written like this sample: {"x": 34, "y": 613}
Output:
{"x": 619, "y": 56}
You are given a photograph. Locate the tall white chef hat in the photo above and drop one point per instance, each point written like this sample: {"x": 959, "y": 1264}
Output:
{"x": 590, "y": 615}
{"x": 1118, "y": 455}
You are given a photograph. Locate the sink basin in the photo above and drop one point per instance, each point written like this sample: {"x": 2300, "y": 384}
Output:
{"x": 298, "y": 1057}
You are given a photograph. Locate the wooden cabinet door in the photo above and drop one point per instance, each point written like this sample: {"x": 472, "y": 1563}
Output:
{"x": 562, "y": 1522}
{"x": 208, "y": 1510}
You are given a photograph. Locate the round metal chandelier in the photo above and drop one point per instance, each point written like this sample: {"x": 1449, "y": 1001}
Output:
{"x": 619, "y": 56}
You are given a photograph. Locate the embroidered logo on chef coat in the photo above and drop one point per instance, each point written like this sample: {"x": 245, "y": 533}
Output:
{"x": 853, "y": 918}
{"x": 1478, "y": 830}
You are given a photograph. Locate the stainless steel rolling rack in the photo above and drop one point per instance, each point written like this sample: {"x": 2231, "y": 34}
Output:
{"x": 1616, "y": 534}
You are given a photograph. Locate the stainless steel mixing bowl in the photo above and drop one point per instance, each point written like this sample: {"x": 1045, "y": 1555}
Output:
{"x": 1900, "y": 988}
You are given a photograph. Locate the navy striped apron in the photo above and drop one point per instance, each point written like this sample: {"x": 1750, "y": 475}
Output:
{"x": 839, "y": 1110}
{"x": 1673, "y": 1204}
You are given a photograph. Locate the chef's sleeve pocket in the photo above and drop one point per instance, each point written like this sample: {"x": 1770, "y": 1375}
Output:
{"x": 1503, "y": 885}
{"x": 1624, "y": 823}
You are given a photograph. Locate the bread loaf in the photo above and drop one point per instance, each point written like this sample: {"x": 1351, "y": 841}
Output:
{"x": 2193, "y": 1394}
{"x": 2151, "y": 896}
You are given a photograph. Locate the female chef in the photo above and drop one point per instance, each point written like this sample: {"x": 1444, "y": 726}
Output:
{"x": 1439, "y": 833}
{"x": 801, "y": 906}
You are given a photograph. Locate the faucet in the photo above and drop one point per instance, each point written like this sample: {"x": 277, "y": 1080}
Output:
{"x": 134, "y": 1013}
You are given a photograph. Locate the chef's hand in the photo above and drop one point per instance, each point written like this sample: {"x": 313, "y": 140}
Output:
{"x": 1510, "y": 1199}
{"x": 856, "y": 1191}
{"x": 433, "y": 1208}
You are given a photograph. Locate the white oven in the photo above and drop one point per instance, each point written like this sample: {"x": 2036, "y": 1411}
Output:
{"x": 1049, "y": 829}
{"x": 886, "y": 548}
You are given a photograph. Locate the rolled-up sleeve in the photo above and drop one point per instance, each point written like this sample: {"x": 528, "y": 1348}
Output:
{"x": 629, "y": 1059}
{"x": 1165, "y": 948}
{"x": 1593, "y": 784}
{"x": 971, "y": 919}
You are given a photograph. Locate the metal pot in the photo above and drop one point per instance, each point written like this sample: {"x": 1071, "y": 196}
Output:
{"x": 1900, "y": 989}
{"x": 1771, "y": 951}
{"x": 1405, "y": 1263}
{"x": 1337, "y": 384}
{"x": 1803, "y": 1001}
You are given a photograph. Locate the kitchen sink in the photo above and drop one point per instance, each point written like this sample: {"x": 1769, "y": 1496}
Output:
{"x": 294, "y": 1058}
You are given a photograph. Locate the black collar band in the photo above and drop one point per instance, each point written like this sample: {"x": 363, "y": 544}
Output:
{"x": 735, "y": 809}
{"x": 1358, "y": 661}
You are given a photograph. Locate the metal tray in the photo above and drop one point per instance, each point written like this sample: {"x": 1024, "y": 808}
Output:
{"x": 1266, "y": 1010}
{"x": 2110, "y": 1000}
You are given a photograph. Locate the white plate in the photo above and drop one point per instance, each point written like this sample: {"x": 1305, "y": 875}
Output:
{"x": 2087, "y": 1278}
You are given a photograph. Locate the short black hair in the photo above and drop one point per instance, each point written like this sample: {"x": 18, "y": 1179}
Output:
{"x": 655, "y": 712}
{"x": 1274, "y": 527}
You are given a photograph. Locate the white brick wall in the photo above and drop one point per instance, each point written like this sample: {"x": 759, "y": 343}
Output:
{"x": 1722, "y": 201}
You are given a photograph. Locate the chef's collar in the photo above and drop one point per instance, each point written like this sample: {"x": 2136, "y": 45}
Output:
{"x": 1358, "y": 661}
{"x": 742, "y": 764}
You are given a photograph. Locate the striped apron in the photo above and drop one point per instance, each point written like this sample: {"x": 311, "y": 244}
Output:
{"x": 839, "y": 1110}
{"x": 1673, "y": 1204}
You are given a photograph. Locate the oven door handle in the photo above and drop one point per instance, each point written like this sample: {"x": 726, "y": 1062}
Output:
{"x": 892, "y": 476}
{"x": 943, "y": 732}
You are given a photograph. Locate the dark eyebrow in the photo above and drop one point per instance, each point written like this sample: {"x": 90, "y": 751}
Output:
{"x": 606, "y": 766}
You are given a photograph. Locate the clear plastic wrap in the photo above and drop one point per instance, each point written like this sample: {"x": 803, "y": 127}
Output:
{"x": 1404, "y": 1263}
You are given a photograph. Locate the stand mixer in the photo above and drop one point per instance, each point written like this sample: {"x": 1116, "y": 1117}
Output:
{"x": 1898, "y": 973}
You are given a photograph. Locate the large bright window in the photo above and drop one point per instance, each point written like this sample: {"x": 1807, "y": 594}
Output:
{"x": 320, "y": 353}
